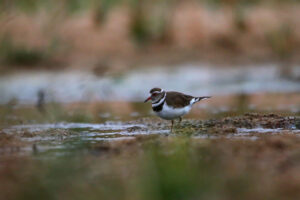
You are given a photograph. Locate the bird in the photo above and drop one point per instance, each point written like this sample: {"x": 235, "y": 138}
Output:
{"x": 171, "y": 105}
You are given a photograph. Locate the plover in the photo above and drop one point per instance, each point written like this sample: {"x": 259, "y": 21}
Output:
{"x": 171, "y": 105}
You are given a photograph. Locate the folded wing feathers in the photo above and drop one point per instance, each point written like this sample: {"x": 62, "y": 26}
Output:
{"x": 200, "y": 98}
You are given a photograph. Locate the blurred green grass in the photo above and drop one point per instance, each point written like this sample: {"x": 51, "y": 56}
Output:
{"x": 158, "y": 168}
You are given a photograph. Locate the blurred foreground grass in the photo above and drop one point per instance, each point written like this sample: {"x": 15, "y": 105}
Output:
{"x": 160, "y": 168}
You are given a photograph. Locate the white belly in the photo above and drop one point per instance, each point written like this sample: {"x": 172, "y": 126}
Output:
{"x": 172, "y": 113}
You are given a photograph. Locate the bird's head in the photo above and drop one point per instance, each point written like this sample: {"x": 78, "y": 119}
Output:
{"x": 155, "y": 95}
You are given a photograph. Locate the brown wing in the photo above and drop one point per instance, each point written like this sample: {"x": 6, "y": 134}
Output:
{"x": 177, "y": 99}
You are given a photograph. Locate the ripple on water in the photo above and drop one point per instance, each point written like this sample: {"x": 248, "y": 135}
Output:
{"x": 65, "y": 136}
{"x": 105, "y": 126}
{"x": 82, "y": 131}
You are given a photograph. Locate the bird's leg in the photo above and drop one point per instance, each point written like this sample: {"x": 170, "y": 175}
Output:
{"x": 180, "y": 119}
{"x": 172, "y": 125}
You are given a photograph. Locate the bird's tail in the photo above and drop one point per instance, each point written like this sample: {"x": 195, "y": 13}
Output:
{"x": 200, "y": 98}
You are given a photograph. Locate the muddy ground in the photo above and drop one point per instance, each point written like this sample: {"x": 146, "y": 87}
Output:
{"x": 246, "y": 156}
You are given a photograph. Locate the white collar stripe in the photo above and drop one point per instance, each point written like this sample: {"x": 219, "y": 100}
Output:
{"x": 160, "y": 101}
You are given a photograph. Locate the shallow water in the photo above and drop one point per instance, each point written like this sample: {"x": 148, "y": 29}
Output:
{"x": 251, "y": 134}
{"x": 63, "y": 136}
{"x": 60, "y": 138}
{"x": 82, "y": 86}
{"x": 105, "y": 126}
{"x": 84, "y": 131}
